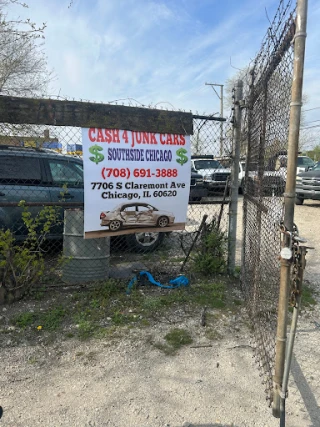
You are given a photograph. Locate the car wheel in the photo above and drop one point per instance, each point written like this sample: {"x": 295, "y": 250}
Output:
{"x": 144, "y": 242}
{"x": 163, "y": 221}
{"x": 298, "y": 201}
{"x": 115, "y": 225}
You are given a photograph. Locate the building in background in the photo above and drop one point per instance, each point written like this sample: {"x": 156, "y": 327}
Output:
{"x": 44, "y": 141}
{"x": 74, "y": 149}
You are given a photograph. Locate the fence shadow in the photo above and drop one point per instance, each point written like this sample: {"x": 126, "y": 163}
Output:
{"x": 208, "y": 425}
{"x": 307, "y": 395}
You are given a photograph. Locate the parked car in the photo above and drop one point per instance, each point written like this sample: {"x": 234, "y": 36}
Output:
{"x": 271, "y": 181}
{"x": 39, "y": 176}
{"x": 215, "y": 176}
{"x": 308, "y": 185}
{"x": 279, "y": 161}
{"x": 132, "y": 215}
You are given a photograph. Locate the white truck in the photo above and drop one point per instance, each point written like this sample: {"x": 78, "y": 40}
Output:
{"x": 216, "y": 177}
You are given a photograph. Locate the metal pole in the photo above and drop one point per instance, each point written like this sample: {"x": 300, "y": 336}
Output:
{"x": 293, "y": 330}
{"x": 289, "y": 196}
{"x": 221, "y": 123}
{"x": 233, "y": 207}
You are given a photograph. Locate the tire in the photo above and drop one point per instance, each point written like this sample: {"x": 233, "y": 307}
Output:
{"x": 115, "y": 225}
{"x": 144, "y": 242}
{"x": 163, "y": 221}
{"x": 298, "y": 201}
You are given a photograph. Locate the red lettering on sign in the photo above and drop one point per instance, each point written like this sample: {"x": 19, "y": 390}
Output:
{"x": 153, "y": 139}
{"x": 108, "y": 135}
{"x": 169, "y": 139}
{"x": 125, "y": 136}
{"x": 100, "y": 137}
{"x": 145, "y": 138}
{"x": 91, "y": 135}
{"x": 115, "y": 134}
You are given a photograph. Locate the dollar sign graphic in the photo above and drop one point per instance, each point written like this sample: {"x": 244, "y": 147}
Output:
{"x": 181, "y": 154}
{"x": 98, "y": 157}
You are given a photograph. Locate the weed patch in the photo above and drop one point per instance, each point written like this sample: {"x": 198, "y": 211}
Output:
{"x": 173, "y": 341}
{"x": 107, "y": 311}
{"x": 52, "y": 319}
{"x": 85, "y": 329}
{"x": 308, "y": 294}
{"x": 177, "y": 338}
{"x": 24, "y": 319}
{"x": 212, "y": 295}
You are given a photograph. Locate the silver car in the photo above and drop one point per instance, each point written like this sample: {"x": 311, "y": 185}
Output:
{"x": 131, "y": 215}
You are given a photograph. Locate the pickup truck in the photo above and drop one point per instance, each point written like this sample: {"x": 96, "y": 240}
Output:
{"x": 308, "y": 185}
{"x": 197, "y": 187}
{"x": 215, "y": 176}
{"x": 275, "y": 174}
{"x": 226, "y": 162}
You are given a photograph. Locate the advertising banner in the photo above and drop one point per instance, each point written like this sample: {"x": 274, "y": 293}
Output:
{"x": 134, "y": 181}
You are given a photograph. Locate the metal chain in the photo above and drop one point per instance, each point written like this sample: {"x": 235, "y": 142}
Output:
{"x": 296, "y": 261}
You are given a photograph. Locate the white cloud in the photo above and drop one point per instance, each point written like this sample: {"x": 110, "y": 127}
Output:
{"x": 158, "y": 51}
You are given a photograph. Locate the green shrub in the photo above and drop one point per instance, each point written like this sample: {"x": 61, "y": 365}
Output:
{"x": 211, "y": 254}
{"x": 22, "y": 264}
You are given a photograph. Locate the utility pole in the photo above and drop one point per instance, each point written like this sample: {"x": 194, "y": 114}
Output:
{"x": 233, "y": 206}
{"x": 221, "y": 111}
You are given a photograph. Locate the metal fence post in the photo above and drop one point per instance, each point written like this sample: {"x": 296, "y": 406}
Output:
{"x": 233, "y": 208}
{"x": 289, "y": 196}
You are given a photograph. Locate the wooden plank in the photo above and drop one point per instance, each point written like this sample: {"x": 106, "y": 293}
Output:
{"x": 17, "y": 110}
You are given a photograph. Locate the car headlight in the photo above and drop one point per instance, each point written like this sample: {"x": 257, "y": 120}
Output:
{"x": 298, "y": 178}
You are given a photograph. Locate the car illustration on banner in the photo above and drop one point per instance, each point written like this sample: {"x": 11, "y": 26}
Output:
{"x": 131, "y": 215}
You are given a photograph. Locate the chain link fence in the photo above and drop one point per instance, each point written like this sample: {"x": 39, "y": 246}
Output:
{"x": 264, "y": 142}
{"x": 41, "y": 212}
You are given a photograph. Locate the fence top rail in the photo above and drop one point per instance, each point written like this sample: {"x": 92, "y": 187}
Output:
{"x": 16, "y": 110}
{"x": 213, "y": 118}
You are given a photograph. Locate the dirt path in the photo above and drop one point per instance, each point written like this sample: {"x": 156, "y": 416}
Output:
{"x": 128, "y": 383}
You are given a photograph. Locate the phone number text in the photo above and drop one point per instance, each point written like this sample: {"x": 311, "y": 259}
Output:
{"x": 138, "y": 173}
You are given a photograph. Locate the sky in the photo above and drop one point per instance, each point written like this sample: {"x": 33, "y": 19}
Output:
{"x": 161, "y": 52}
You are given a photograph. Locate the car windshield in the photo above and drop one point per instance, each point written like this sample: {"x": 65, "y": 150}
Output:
{"x": 305, "y": 161}
{"x": 152, "y": 208}
{"x": 226, "y": 163}
{"x": 316, "y": 167}
{"x": 207, "y": 164}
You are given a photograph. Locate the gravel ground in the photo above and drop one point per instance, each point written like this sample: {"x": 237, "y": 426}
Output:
{"x": 127, "y": 382}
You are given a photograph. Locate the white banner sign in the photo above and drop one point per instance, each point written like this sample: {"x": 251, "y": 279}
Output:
{"x": 134, "y": 181}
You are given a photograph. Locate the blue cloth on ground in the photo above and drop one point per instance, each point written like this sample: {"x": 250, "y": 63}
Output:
{"x": 174, "y": 283}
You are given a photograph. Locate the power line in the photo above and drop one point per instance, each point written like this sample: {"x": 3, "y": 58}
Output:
{"x": 312, "y": 121}
{"x": 310, "y": 109}
{"x": 310, "y": 127}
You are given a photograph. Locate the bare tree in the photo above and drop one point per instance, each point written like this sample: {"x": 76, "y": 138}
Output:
{"x": 23, "y": 64}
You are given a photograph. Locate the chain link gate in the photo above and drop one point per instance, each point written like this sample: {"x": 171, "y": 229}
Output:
{"x": 265, "y": 134}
